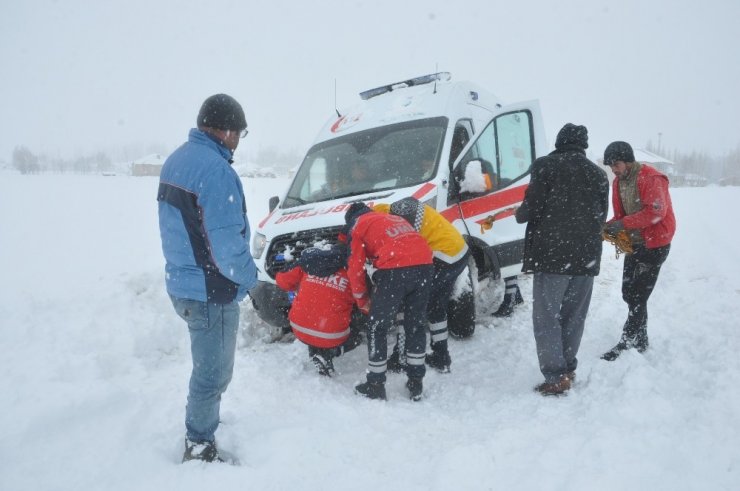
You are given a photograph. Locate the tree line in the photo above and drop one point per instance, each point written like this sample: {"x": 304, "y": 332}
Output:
{"x": 25, "y": 161}
{"x": 701, "y": 162}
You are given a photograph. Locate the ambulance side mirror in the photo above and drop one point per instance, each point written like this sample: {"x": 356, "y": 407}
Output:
{"x": 273, "y": 202}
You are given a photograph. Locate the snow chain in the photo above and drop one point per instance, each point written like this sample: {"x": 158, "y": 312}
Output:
{"x": 621, "y": 241}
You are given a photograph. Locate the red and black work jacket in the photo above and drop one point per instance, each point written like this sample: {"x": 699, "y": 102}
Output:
{"x": 322, "y": 308}
{"x": 389, "y": 242}
{"x": 655, "y": 220}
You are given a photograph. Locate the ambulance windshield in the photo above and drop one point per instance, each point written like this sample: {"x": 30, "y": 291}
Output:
{"x": 387, "y": 157}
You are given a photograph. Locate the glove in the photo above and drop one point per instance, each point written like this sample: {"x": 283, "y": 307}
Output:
{"x": 612, "y": 228}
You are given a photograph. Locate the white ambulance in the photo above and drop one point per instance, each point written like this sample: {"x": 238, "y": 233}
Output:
{"x": 452, "y": 145}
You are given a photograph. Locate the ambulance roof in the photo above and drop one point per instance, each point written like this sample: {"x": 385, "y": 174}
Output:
{"x": 423, "y": 97}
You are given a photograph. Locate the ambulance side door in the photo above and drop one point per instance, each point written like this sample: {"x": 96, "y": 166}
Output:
{"x": 488, "y": 181}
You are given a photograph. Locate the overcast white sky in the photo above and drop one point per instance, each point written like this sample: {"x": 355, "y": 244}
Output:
{"x": 79, "y": 76}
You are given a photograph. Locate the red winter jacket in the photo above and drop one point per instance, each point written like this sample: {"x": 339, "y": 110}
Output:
{"x": 656, "y": 221}
{"x": 322, "y": 308}
{"x": 389, "y": 241}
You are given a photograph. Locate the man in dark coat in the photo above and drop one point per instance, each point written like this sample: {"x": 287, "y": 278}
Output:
{"x": 565, "y": 207}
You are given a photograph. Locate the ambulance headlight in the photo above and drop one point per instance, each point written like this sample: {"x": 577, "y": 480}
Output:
{"x": 259, "y": 242}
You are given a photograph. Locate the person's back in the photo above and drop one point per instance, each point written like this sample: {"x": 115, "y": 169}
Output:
{"x": 321, "y": 310}
{"x": 388, "y": 241}
{"x": 568, "y": 205}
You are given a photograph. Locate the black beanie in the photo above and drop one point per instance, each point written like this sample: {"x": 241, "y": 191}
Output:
{"x": 354, "y": 211}
{"x": 222, "y": 112}
{"x": 572, "y": 134}
{"x": 618, "y": 151}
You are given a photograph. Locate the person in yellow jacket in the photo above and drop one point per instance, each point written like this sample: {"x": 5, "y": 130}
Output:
{"x": 450, "y": 259}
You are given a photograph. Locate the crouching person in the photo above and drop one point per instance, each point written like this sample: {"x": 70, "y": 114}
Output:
{"x": 322, "y": 308}
{"x": 403, "y": 276}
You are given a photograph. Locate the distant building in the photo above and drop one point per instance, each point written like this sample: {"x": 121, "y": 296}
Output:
{"x": 151, "y": 165}
{"x": 664, "y": 165}
{"x": 668, "y": 168}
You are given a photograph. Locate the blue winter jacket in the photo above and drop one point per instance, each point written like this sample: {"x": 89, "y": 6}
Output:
{"x": 203, "y": 224}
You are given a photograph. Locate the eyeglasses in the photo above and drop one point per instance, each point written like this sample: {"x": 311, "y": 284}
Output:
{"x": 244, "y": 133}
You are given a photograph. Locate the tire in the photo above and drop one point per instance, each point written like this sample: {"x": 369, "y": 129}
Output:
{"x": 461, "y": 308}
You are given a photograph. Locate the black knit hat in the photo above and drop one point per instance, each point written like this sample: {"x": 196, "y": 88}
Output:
{"x": 572, "y": 134}
{"x": 222, "y": 112}
{"x": 618, "y": 151}
{"x": 355, "y": 210}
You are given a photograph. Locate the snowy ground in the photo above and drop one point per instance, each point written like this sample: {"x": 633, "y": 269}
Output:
{"x": 94, "y": 366}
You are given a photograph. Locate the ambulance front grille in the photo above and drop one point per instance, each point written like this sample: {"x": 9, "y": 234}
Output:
{"x": 294, "y": 244}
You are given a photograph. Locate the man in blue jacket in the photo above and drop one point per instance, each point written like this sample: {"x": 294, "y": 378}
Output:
{"x": 205, "y": 236}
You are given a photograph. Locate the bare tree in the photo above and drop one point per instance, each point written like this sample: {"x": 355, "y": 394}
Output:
{"x": 25, "y": 161}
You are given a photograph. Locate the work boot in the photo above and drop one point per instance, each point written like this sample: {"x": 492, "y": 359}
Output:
{"x": 439, "y": 359}
{"x": 415, "y": 387}
{"x": 511, "y": 300}
{"x": 205, "y": 451}
{"x": 323, "y": 364}
{"x": 371, "y": 390}
{"x": 554, "y": 388}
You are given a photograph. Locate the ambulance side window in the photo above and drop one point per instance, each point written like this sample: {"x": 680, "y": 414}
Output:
{"x": 515, "y": 146}
{"x": 501, "y": 155}
{"x": 460, "y": 138}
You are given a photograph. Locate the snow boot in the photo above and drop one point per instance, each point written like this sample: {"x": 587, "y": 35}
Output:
{"x": 415, "y": 387}
{"x": 511, "y": 300}
{"x": 205, "y": 451}
{"x": 641, "y": 340}
{"x": 323, "y": 364}
{"x": 554, "y": 388}
{"x": 623, "y": 345}
{"x": 371, "y": 390}
{"x": 439, "y": 359}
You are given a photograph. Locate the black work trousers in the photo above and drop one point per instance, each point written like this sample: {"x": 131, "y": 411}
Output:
{"x": 393, "y": 288}
{"x": 639, "y": 276}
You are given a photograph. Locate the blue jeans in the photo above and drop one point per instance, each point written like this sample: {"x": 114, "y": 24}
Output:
{"x": 213, "y": 328}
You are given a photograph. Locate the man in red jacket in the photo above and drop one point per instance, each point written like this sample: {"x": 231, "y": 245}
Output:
{"x": 403, "y": 276}
{"x": 642, "y": 207}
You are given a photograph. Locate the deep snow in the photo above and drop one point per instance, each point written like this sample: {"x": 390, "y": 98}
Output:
{"x": 94, "y": 366}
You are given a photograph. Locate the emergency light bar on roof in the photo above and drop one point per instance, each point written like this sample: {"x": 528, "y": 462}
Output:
{"x": 424, "y": 79}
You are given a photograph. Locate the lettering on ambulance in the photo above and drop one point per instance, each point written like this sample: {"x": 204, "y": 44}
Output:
{"x": 345, "y": 122}
{"x": 309, "y": 213}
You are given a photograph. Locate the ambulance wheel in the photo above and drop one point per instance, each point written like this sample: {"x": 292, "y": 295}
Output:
{"x": 461, "y": 308}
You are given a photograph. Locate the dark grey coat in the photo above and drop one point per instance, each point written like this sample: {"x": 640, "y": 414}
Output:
{"x": 565, "y": 207}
